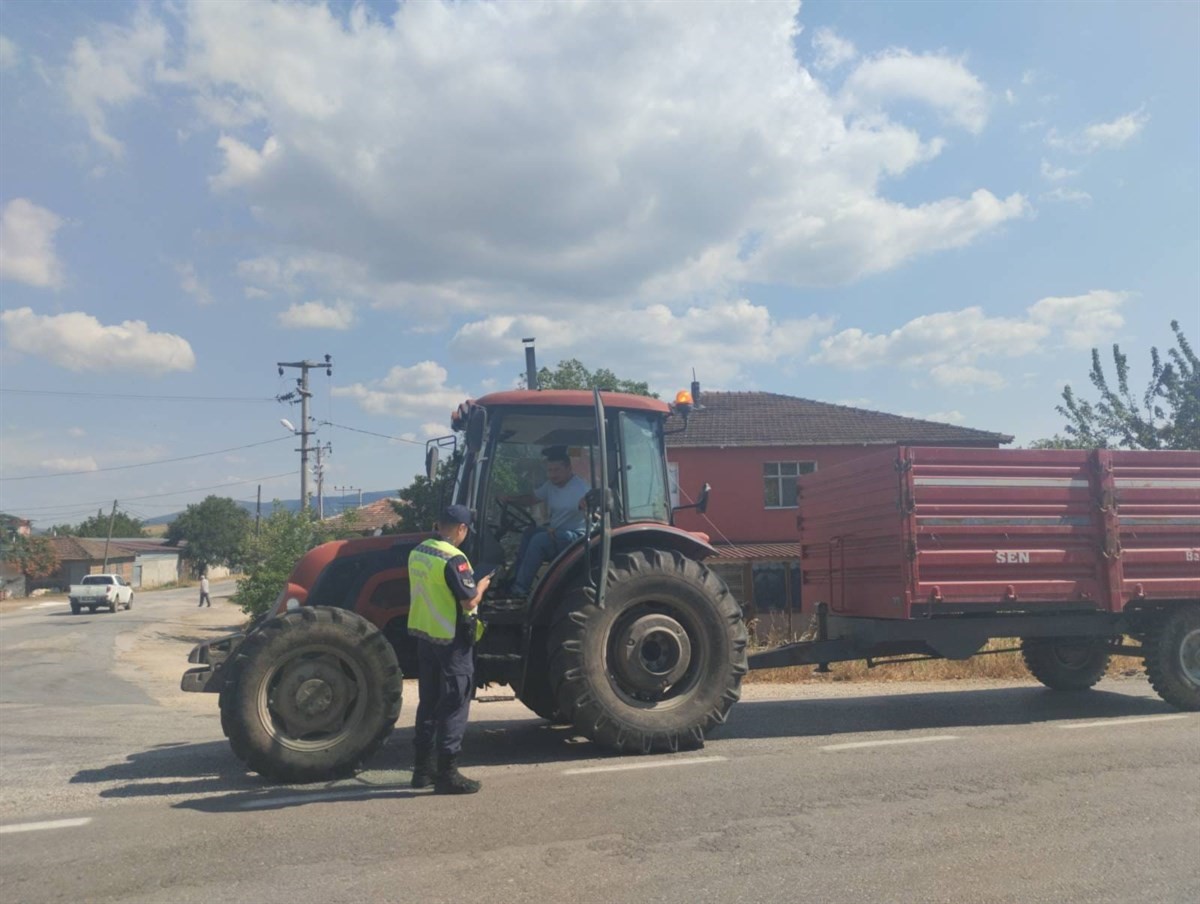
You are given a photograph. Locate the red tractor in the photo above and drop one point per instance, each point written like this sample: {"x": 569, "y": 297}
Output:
{"x": 626, "y": 634}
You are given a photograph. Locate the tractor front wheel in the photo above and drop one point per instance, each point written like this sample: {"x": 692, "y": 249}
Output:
{"x": 311, "y": 695}
{"x": 659, "y": 664}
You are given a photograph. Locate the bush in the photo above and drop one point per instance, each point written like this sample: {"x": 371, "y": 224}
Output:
{"x": 284, "y": 537}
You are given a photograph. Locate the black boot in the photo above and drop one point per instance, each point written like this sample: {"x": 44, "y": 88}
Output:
{"x": 423, "y": 773}
{"x": 450, "y": 780}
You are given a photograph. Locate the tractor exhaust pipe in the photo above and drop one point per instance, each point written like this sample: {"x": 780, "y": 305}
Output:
{"x": 531, "y": 371}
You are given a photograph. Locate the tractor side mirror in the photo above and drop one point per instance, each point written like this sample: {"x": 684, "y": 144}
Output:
{"x": 432, "y": 460}
{"x": 701, "y": 503}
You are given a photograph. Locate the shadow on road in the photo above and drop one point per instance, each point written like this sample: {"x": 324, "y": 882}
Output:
{"x": 939, "y": 709}
{"x": 210, "y": 770}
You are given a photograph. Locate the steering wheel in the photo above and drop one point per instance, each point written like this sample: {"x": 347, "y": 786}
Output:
{"x": 513, "y": 518}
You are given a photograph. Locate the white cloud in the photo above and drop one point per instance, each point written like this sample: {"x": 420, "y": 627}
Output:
{"x": 1101, "y": 136}
{"x": 950, "y": 345}
{"x": 10, "y": 54}
{"x": 79, "y": 342}
{"x": 939, "y": 81}
{"x": 243, "y": 164}
{"x": 832, "y": 50}
{"x": 719, "y": 338}
{"x": 59, "y": 465}
{"x": 114, "y": 70}
{"x": 416, "y": 391}
{"x": 1084, "y": 320}
{"x": 27, "y": 245}
{"x": 476, "y": 153}
{"x": 1056, "y": 173}
{"x": 953, "y": 416}
{"x": 191, "y": 284}
{"x": 315, "y": 315}
{"x": 1066, "y": 196}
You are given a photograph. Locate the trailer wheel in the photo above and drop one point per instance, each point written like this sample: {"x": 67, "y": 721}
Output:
{"x": 312, "y": 694}
{"x": 1066, "y": 663}
{"x": 1173, "y": 657}
{"x": 659, "y": 664}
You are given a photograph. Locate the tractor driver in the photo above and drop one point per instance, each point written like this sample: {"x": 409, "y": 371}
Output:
{"x": 563, "y": 492}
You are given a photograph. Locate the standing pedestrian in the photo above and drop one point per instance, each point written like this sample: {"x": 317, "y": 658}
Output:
{"x": 445, "y": 596}
{"x": 205, "y": 600}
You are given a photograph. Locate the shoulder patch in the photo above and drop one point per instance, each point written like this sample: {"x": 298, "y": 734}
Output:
{"x": 463, "y": 566}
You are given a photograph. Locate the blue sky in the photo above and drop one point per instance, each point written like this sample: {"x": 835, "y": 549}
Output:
{"x": 927, "y": 209}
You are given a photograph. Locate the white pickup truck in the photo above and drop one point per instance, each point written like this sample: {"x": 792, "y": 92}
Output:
{"x": 98, "y": 590}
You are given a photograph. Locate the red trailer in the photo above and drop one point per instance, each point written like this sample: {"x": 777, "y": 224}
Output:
{"x": 933, "y": 551}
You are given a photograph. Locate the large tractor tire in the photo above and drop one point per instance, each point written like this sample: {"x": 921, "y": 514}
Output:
{"x": 535, "y": 691}
{"x": 1173, "y": 657}
{"x": 311, "y": 695}
{"x": 659, "y": 664}
{"x": 1066, "y": 663}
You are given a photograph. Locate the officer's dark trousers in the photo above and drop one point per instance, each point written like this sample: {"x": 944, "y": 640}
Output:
{"x": 445, "y": 678}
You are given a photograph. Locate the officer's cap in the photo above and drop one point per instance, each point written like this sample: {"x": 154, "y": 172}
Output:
{"x": 456, "y": 514}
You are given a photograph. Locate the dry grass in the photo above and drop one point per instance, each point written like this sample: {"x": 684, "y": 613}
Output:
{"x": 995, "y": 667}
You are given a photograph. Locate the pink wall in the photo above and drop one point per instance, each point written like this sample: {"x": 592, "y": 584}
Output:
{"x": 736, "y": 506}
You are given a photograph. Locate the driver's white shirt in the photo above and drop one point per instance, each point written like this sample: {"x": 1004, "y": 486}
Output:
{"x": 563, "y": 503}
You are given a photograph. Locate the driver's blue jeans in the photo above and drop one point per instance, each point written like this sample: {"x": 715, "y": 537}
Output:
{"x": 537, "y": 546}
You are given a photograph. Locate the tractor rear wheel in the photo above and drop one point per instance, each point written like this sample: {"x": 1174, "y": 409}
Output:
{"x": 311, "y": 694}
{"x": 659, "y": 664}
{"x": 1173, "y": 657}
{"x": 1066, "y": 663}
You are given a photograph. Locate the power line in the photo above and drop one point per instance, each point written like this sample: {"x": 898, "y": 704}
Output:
{"x": 153, "y": 398}
{"x": 144, "y": 464}
{"x": 399, "y": 439}
{"x": 50, "y": 511}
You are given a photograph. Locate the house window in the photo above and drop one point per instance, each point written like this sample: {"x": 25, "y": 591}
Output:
{"x": 779, "y": 481}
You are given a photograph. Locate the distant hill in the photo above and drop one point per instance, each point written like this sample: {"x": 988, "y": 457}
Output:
{"x": 333, "y": 505}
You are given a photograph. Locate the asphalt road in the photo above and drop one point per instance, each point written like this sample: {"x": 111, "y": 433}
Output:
{"x": 114, "y": 786}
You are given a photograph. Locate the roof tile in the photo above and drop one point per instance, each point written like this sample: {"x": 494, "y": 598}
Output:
{"x": 771, "y": 419}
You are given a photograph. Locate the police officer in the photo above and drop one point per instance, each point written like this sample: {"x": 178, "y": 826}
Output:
{"x": 441, "y": 617}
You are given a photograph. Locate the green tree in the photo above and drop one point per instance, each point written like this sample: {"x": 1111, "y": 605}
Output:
{"x": 34, "y": 556}
{"x": 1057, "y": 441}
{"x": 123, "y": 525}
{"x": 1165, "y": 416}
{"x": 216, "y": 532}
{"x": 270, "y": 557}
{"x": 571, "y": 374}
{"x": 421, "y": 501}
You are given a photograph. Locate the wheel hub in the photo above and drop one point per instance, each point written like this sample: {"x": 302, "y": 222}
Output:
{"x": 652, "y": 653}
{"x": 1189, "y": 656}
{"x": 311, "y": 696}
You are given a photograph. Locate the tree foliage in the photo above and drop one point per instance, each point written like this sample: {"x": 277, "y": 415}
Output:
{"x": 216, "y": 530}
{"x": 571, "y": 374}
{"x": 421, "y": 501}
{"x": 34, "y": 556}
{"x": 123, "y": 525}
{"x": 1165, "y": 416}
{"x": 269, "y": 558}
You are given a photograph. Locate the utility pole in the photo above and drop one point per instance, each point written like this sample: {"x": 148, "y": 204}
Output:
{"x": 319, "y": 473}
{"x": 258, "y": 511}
{"x": 302, "y": 390}
{"x": 108, "y": 539}
{"x": 345, "y": 490}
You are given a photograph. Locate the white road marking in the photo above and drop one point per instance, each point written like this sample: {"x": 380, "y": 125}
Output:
{"x": 858, "y": 745}
{"x": 1130, "y": 720}
{"x": 41, "y": 826}
{"x": 624, "y": 767}
{"x": 44, "y": 605}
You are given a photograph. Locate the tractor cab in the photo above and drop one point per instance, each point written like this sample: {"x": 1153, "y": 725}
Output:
{"x": 614, "y": 443}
